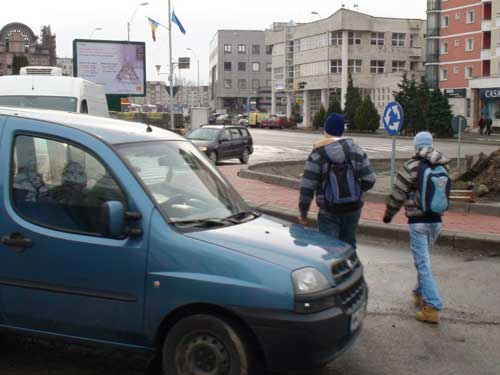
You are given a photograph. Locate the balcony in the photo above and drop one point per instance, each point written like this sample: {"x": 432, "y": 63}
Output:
{"x": 485, "y": 54}
{"x": 486, "y": 25}
{"x": 433, "y": 5}
{"x": 432, "y": 58}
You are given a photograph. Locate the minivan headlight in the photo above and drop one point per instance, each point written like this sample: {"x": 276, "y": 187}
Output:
{"x": 309, "y": 280}
{"x": 202, "y": 149}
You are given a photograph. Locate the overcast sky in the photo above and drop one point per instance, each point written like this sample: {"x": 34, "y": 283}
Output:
{"x": 72, "y": 19}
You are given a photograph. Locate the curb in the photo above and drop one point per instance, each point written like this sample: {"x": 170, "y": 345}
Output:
{"x": 485, "y": 209}
{"x": 486, "y": 243}
{"x": 493, "y": 142}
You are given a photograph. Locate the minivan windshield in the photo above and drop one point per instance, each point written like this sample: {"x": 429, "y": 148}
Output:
{"x": 186, "y": 186}
{"x": 204, "y": 134}
{"x": 58, "y": 103}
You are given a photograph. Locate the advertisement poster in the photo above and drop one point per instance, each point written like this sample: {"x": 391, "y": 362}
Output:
{"x": 118, "y": 66}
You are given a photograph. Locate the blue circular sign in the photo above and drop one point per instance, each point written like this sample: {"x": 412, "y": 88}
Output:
{"x": 393, "y": 118}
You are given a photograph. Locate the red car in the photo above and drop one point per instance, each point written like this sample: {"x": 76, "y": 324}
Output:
{"x": 280, "y": 122}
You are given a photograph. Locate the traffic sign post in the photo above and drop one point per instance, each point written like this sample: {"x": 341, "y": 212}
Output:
{"x": 393, "y": 122}
{"x": 458, "y": 124}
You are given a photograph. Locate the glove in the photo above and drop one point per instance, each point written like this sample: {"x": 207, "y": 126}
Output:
{"x": 387, "y": 219}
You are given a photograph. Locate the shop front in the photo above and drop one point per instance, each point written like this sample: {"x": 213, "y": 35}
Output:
{"x": 485, "y": 94}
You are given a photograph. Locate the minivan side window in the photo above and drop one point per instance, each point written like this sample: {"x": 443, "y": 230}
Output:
{"x": 61, "y": 186}
{"x": 84, "y": 107}
{"x": 235, "y": 133}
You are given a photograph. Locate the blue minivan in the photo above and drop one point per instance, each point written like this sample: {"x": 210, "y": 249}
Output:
{"x": 120, "y": 234}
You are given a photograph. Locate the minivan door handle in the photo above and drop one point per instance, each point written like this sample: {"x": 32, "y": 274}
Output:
{"x": 17, "y": 242}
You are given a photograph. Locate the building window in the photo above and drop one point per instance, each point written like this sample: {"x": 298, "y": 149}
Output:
{"x": 414, "y": 41}
{"x": 398, "y": 39}
{"x": 471, "y": 17}
{"x": 269, "y": 67}
{"x": 242, "y": 67}
{"x": 354, "y": 66}
{"x": 457, "y": 16}
{"x": 242, "y": 49}
{"x": 255, "y": 84}
{"x": 468, "y": 72}
{"x": 414, "y": 65}
{"x": 444, "y": 74}
{"x": 377, "y": 39}
{"x": 227, "y": 66}
{"x": 398, "y": 66}
{"x": 336, "y": 38}
{"x": 227, "y": 84}
{"x": 469, "y": 45}
{"x": 255, "y": 67}
{"x": 278, "y": 74}
{"x": 377, "y": 66}
{"x": 269, "y": 50}
{"x": 296, "y": 45}
{"x": 456, "y": 70}
{"x": 354, "y": 38}
{"x": 446, "y": 21}
{"x": 269, "y": 83}
{"x": 256, "y": 49}
{"x": 444, "y": 48}
{"x": 242, "y": 83}
{"x": 336, "y": 66}
{"x": 228, "y": 48}
{"x": 457, "y": 42}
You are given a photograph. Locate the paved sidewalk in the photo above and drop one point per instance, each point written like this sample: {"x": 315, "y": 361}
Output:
{"x": 261, "y": 193}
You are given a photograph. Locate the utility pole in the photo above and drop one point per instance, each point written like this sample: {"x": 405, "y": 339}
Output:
{"x": 172, "y": 126}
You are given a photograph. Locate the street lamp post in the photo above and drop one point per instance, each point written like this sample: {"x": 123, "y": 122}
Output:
{"x": 198, "y": 66}
{"x": 316, "y": 14}
{"x": 132, "y": 18}
{"x": 93, "y": 31}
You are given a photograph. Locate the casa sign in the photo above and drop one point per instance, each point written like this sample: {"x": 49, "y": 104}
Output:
{"x": 493, "y": 93}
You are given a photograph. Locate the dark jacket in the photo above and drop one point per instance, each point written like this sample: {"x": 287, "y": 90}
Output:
{"x": 317, "y": 165}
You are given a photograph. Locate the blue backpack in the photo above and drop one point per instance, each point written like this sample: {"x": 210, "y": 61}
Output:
{"x": 433, "y": 186}
{"x": 341, "y": 185}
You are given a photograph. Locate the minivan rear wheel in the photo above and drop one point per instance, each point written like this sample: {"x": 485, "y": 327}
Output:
{"x": 245, "y": 157}
{"x": 205, "y": 345}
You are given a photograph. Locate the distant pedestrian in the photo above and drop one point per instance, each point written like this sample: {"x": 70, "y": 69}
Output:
{"x": 422, "y": 186}
{"x": 482, "y": 125}
{"x": 337, "y": 172}
{"x": 489, "y": 124}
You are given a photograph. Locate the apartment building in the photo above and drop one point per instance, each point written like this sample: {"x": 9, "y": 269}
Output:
{"x": 191, "y": 96}
{"x": 463, "y": 55}
{"x": 312, "y": 61}
{"x": 240, "y": 71}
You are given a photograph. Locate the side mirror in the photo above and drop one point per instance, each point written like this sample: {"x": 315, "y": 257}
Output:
{"x": 115, "y": 218}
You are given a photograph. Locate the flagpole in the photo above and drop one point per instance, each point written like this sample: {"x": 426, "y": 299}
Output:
{"x": 172, "y": 126}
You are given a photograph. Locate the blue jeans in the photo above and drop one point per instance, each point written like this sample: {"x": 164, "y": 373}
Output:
{"x": 342, "y": 227}
{"x": 423, "y": 236}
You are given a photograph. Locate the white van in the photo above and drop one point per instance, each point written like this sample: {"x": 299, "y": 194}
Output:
{"x": 68, "y": 94}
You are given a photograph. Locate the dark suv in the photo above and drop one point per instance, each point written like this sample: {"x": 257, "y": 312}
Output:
{"x": 220, "y": 142}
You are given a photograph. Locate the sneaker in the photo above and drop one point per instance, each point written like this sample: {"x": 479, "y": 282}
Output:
{"x": 428, "y": 315}
{"x": 418, "y": 300}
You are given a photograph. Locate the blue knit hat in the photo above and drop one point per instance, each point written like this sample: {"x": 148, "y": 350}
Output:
{"x": 422, "y": 139}
{"x": 335, "y": 125}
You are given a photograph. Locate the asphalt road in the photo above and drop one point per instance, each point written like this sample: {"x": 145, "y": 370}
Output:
{"x": 274, "y": 145}
{"x": 466, "y": 342}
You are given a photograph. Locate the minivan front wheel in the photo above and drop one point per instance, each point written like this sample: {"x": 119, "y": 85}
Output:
{"x": 213, "y": 157}
{"x": 205, "y": 345}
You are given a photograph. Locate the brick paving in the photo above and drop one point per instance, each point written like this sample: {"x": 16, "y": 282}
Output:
{"x": 261, "y": 193}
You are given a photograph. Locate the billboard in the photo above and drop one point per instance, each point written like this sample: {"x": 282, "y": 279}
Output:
{"x": 119, "y": 66}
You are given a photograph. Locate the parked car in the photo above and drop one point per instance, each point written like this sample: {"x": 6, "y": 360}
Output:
{"x": 223, "y": 142}
{"x": 279, "y": 122}
{"x": 121, "y": 234}
{"x": 224, "y": 119}
{"x": 240, "y": 120}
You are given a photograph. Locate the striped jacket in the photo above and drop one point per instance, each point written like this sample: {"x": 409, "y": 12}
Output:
{"x": 317, "y": 165}
{"x": 405, "y": 187}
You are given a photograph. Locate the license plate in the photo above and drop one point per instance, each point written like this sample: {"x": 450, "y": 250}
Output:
{"x": 358, "y": 316}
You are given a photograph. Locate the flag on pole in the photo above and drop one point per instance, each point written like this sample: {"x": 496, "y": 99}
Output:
{"x": 178, "y": 23}
{"x": 154, "y": 27}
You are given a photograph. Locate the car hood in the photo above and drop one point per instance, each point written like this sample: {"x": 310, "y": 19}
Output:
{"x": 288, "y": 245}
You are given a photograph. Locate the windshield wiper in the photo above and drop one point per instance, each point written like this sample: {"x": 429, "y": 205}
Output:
{"x": 242, "y": 217}
{"x": 203, "y": 223}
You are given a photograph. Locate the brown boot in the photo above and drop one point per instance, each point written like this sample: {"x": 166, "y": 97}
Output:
{"x": 418, "y": 300}
{"x": 428, "y": 315}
